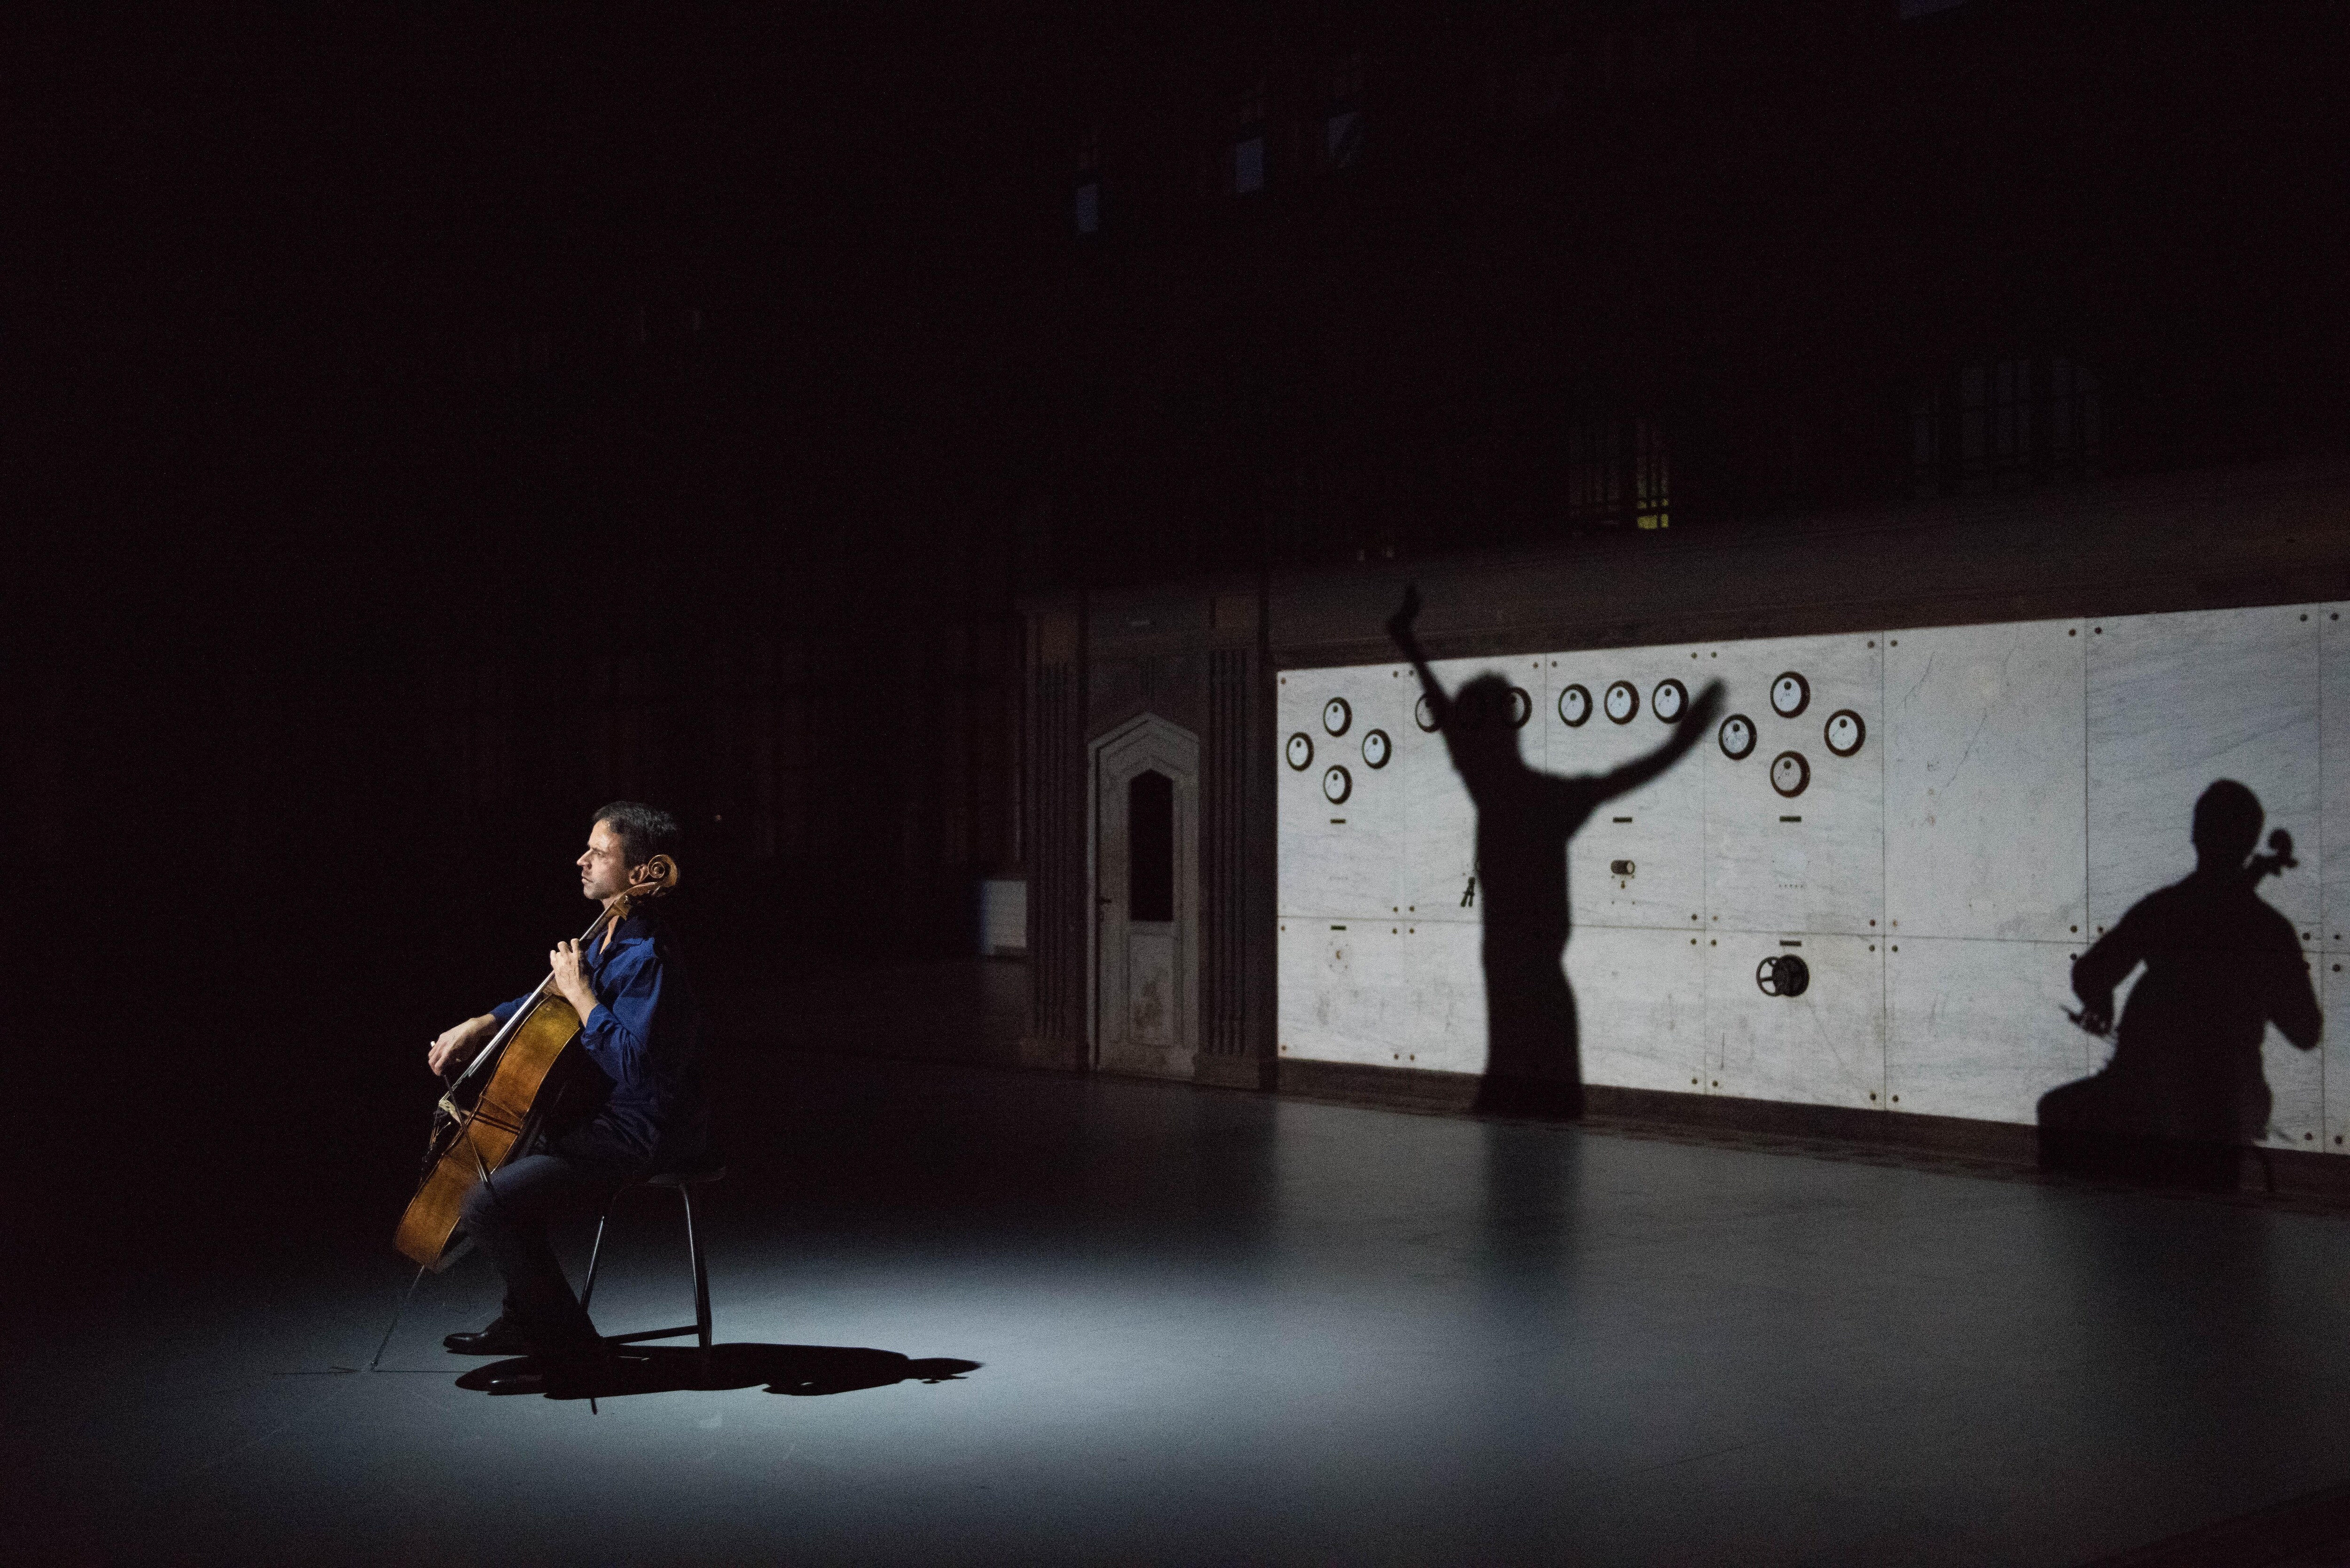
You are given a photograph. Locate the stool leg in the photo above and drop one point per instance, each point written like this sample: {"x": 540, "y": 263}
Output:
{"x": 595, "y": 1255}
{"x": 701, "y": 1279}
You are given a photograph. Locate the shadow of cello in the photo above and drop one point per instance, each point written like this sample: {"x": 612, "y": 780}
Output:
{"x": 806, "y": 1370}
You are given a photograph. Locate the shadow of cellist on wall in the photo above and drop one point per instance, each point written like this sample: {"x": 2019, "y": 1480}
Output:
{"x": 1524, "y": 819}
{"x": 2184, "y": 1094}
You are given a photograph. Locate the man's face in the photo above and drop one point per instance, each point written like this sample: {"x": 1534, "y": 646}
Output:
{"x": 601, "y": 874}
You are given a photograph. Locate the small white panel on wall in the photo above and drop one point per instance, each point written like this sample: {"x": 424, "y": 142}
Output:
{"x": 2179, "y": 701}
{"x": 1341, "y": 817}
{"x": 1795, "y": 826}
{"x": 1345, "y": 992}
{"x": 1446, "y": 979}
{"x": 1610, "y": 708}
{"x": 2334, "y": 766}
{"x": 1639, "y": 1004}
{"x": 1976, "y": 1028}
{"x": 1824, "y": 1047}
{"x": 1984, "y": 794}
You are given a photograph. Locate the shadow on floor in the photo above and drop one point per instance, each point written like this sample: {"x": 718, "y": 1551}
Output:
{"x": 803, "y": 1369}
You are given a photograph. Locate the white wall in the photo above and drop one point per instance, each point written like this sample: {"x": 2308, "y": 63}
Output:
{"x": 2017, "y": 787}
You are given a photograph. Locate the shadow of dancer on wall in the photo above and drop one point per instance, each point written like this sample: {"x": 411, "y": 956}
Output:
{"x": 2184, "y": 1095}
{"x": 1524, "y": 817}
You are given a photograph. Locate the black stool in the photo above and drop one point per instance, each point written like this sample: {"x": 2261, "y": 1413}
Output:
{"x": 684, "y": 1181}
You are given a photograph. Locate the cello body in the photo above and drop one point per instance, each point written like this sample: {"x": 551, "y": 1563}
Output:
{"x": 495, "y": 1129}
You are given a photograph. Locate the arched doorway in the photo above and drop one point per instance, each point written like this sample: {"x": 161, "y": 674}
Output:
{"x": 1146, "y": 877}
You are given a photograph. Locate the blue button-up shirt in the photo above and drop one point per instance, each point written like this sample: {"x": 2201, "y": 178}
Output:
{"x": 644, "y": 1035}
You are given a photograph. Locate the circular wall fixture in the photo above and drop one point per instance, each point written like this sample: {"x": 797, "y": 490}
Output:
{"x": 1669, "y": 700}
{"x": 1521, "y": 707}
{"x": 1424, "y": 713}
{"x": 1337, "y": 716}
{"x": 1782, "y": 974}
{"x": 1622, "y": 701}
{"x": 1376, "y": 748}
{"x": 1846, "y": 731}
{"x": 1574, "y": 706}
{"x": 1300, "y": 751}
{"x": 1790, "y": 695}
{"x": 1790, "y": 774}
{"x": 1337, "y": 784}
{"x": 1737, "y": 737}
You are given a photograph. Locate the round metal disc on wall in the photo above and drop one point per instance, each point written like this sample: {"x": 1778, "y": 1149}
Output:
{"x": 1736, "y": 737}
{"x": 1376, "y": 748}
{"x": 1622, "y": 701}
{"x": 1337, "y": 716}
{"x": 1669, "y": 700}
{"x": 1424, "y": 713}
{"x": 1782, "y": 974}
{"x": 1521, "y": 707}
{"x": 1844, "y": 733}
{"x": 1790, "y": 694}
{"x": 1337, "y": 784}
{"x": 1300, "y": 751}
{"x": 1791, "y": 775}
{"x": 1574, "y": 706}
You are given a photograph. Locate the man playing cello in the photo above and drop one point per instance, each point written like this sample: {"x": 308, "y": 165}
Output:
{"x": 638, "y": 1027}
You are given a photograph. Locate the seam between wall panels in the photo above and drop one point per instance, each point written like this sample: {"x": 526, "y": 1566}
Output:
{"x": 1884, "y": 882}
{"x": 2324, "y": 915}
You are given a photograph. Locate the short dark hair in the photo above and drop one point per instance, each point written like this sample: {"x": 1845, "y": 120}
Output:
{"x": 644, "y": 831}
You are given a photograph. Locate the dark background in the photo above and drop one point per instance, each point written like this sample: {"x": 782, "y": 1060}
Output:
{"x": 422, "y": 427}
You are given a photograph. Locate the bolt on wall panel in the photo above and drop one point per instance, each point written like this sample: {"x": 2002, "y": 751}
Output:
{"x": 1978, "y": 1028}
{"x": 1984, "y": 791}
{"x": 1340, "y": 804}
{"x": 1794, "y": 826}
{"x": 2177, "y": 702}
{"x": 1825, "y": 1047}
{"x": 1639, "y": 998}
{"x": 1639, "y": 861}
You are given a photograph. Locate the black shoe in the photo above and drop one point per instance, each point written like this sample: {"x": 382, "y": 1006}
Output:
{"x": 501, "y": 1338}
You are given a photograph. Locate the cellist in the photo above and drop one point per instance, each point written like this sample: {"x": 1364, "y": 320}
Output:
{"x": 638, "y": 1027}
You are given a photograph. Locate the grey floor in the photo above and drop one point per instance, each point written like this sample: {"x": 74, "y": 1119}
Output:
{"x": 1218, "y": 1328}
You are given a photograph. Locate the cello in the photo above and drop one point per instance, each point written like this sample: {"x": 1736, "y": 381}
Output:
{"x": 493, "y": 1111}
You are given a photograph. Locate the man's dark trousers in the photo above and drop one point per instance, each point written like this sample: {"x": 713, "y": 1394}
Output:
{"x": 508, "y": 1214}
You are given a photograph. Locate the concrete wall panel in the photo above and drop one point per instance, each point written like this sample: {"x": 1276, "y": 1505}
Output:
{"x": 1976, "y": 1027}
{"x": 1658, "y": 828}
{"x": 2177, "y": 701}
{"x": 1985, "y": 797}
{"x": 1640, "y": 999}
{"x": 1826, "y": 1047}
{"x": 1813, "y": 861}
{"x": 1440, "y": 844}
{"x": 2332, "y": 857}
{"x": 1338, "y": 857}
